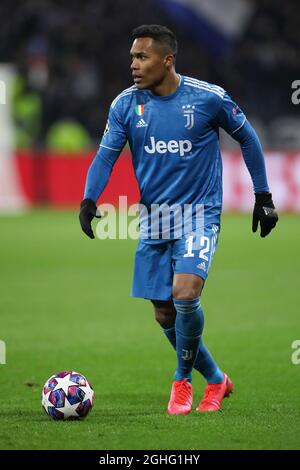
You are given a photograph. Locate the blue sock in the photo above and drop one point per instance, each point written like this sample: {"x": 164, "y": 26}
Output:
{"x": 204, "y": 362}
{"x": 171, "y": 335}
{"x": 188, "y": 327}
{"x": 207, "y": 366}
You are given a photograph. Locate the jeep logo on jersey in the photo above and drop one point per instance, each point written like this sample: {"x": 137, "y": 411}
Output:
{"x": 172, "y": 146}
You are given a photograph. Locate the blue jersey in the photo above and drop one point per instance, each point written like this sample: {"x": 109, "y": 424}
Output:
{"x": 175, "y": 148}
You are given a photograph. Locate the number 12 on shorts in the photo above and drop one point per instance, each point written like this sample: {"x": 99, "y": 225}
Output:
{"x": 204, "y": 242}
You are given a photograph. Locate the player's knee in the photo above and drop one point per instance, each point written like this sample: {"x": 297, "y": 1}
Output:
{"x": 165, "y": 313}
{"x": 187, "y": 287}
{"x": 185, "y": 294}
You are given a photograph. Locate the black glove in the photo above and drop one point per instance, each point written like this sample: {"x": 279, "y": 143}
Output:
{"x": 265, "y": 213}
{"x": 88, "y": 210}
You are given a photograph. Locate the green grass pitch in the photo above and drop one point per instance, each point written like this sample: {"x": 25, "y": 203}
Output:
{"x": 65, "y": 304}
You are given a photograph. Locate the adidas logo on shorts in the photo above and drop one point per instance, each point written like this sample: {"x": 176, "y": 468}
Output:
{"x": 202, "y": 266}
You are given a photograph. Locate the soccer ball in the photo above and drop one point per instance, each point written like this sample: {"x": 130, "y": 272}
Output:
{"x": 67, "y": 395}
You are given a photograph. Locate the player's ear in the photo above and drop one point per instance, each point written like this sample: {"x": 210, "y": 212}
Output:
{"x": 169, "y": 60}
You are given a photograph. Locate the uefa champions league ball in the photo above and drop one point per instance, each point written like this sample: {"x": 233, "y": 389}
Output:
{"x": 67, "y": 395}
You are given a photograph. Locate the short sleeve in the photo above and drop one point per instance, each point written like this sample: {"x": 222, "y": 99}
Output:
{"x": 230, "y": 117}
{"x": 114, "y": 136}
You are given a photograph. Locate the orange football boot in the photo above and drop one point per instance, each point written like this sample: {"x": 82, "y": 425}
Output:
{"x": 214, "y": 394}
{"x": 181, "y": 398}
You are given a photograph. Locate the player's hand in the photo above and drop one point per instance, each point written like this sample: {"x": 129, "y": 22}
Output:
{"x": 265, "y": 213}
{"x": 88, "y": 210}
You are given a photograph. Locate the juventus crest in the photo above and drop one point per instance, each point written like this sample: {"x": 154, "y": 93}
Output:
{"x": 188, "y": 112}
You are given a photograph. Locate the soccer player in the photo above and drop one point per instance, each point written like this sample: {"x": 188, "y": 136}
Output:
{"x": 171, "y": 123}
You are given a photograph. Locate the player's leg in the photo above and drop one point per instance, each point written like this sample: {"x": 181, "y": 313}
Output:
{"x": 188, "y": 329}
{"x": 153, "y": 278}
{"x": 193, "y": 257}
{"x": 189, "y": 322}
{"x": 204, "y": 363}
{"x": 165, "y": 315}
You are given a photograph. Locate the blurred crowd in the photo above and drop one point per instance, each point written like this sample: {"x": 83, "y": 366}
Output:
{"x": 72, "y": 59}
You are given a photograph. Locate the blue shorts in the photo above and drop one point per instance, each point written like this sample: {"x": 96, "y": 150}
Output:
{"x": 156, "y": 263}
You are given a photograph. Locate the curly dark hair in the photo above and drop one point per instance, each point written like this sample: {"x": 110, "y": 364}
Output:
{"x": 158, "y": 33}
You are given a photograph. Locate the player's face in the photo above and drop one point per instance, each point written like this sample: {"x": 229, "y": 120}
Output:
{"x": 150, "y": 63}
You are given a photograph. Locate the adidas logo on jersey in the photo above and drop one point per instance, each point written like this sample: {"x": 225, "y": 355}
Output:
{"x": 172, "y": 146}
{"x": 141, "y": 123}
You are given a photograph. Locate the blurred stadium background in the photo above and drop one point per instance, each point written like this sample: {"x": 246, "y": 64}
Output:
{"x": 61, "y": 65}
{"x": 65, "y": 65}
